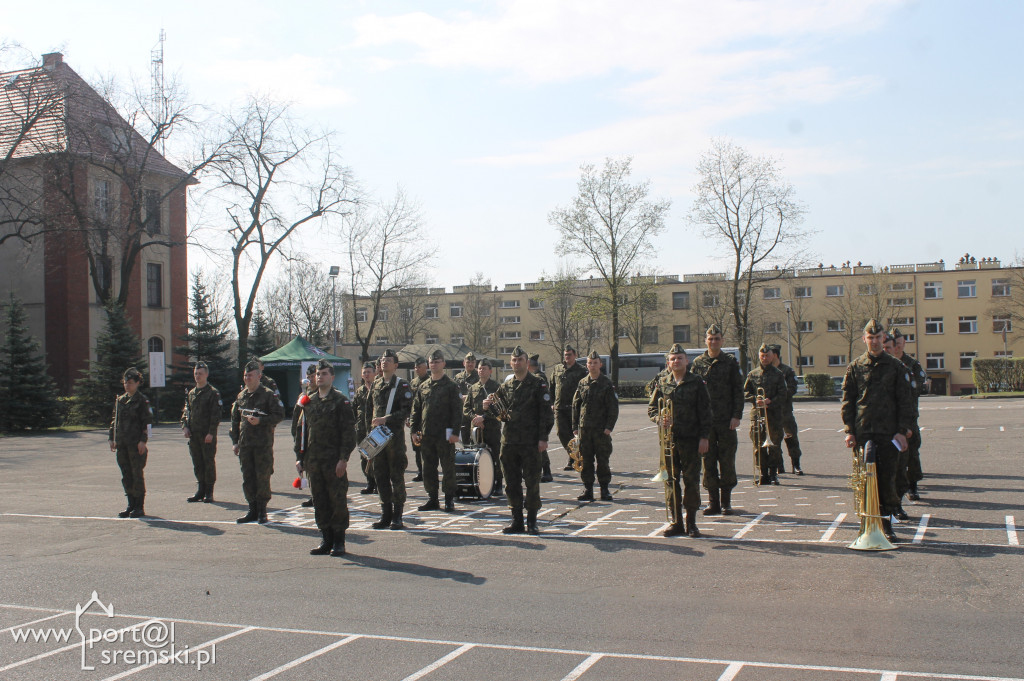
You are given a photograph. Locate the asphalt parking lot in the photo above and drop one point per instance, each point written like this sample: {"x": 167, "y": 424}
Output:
{"x": 769, "y": 593}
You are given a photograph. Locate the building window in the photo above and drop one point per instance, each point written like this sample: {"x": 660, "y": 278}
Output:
{"x": 835, "y": 291}
{"x": 457, "y": 340}
{"x": 773, "y": 328}
{"x": 837, "y": 360}
{"x": 802, "y": 292}
{"x": 454, "y": 309}
{"x": 536, "y": 335}
{"x": 805, "y": 327}
{"x": 901, "y": 321}
{"x": 382, "y": 314}
{"x": 103, "y": 272}
{"x": 407, "y": 313}
{"x": 680, "y": 300}
{"x": 431, "y": 340}
{"x": 154, "y": 284}
{"x": 101, "y": 200}
{"x": 836, "y": 325}
{"x": 681, "y": 333}
{"x": 1002, "y": 323}
{"x": 969, "y": 325}
{"x": 508, "y": 303}
{"x": 155, "y": 344}
{"x": 935, "y": 361}
{"x": 505, "y": 350}
{"x": 900, "y": 302}
{"x": 805, "y": 361}
{"x": 933, "y": 325}
{"x": 966, "y": 359}
{"x": 486, "y": 340}
{"x": 510, "y": 335}
{"x": 623, "y": 333}
{"x": 933, "y": 290}
{"x": 536, "y": 304}
{"x": 709, "y": 299}
{"x": 508, "y": 320}
{"x": 430, "y": 311}
{"x": 650, "y": 334}
{"x": 1000, "y": 288}
{"x": 902, "y": 286}
{"x": 154, "y": 222}
{"x": 966, "y": 288}
{"x": 772, "y": 293}
{"x": 1004, "y": 353}
{"x": 382, "y": 340}
{"x": 361, "y": 315}
{"x": 866, "y": 289}
{"x": 909, "y": 337}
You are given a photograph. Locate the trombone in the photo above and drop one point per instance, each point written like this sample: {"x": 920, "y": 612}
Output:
{"x": 760, "y": 429}
{"x": 667, "y": 472}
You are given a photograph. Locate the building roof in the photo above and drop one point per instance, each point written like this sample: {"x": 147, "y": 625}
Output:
{"x": 300, "y": 350}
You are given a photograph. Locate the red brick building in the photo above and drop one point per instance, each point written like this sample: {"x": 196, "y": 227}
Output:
{"x": 88, "y": 210}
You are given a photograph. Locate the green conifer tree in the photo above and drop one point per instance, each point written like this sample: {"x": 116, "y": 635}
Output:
{"x": 261, "y": 336}
{"x": 117, "y": 348}
{"x": 28, "y": 398}
{"x": 206, "y": 341}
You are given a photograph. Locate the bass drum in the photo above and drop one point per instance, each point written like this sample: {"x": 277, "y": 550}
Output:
{"x": 474, "y": 472}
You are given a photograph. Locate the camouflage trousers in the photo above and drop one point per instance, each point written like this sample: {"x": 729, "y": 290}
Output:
{"x": 595, "y": 447}
{"x": 203, "y": 454}
{"x": 389, "y": 470}
{"x": 887, "y": 464}
{"x": 909, "y": 471}
{"x": 792, "y": 431}
{"x": 770, "y": 456}
{"x": 687, "y": 463}
{"x": 330, "y": 496}
{"x": 720, "y": 460}
{"x": 257, "y": 465}
{"x": 521, "y": 464}
{"x": 131, "y": 464}
{"x": 437, "y": 450}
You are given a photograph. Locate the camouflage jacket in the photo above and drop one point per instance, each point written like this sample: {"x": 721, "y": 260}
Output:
{"x": 724, "y": 380}
{"x": 563, "y": 384}
{"x": 130, "y": 418}
{"x": 298, "y": 420}
{"x": 377, "y": 404}
{"x": 529, "y": 406}
{"x": 473, "y": 405}
{"x": 775, "y": 389}
{"x": 359, "y": 402}
{"x": 595, "y": 404}
{"x": 791, "y": 386}
{"x": 436, "y": 407}
{"x": 247, "y": 435}
{"x": 877, "y": 397}
{"x": 918, "y": 381}
{"x": 464, "y": 379}
{"x": 202, "y": 411}
{"x": 691, "y": 405}
{"x": 330, "y": 429}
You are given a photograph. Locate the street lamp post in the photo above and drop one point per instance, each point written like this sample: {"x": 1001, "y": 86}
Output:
{"x": 788, "y": 304}
{"x": 333, "y": 274}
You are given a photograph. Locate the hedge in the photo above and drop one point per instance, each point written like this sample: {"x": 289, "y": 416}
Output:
{"x": 998, "y": 375}
{"x": 819, "y": 385}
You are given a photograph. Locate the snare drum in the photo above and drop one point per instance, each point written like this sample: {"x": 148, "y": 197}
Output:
{"x": 474, "y": 472}
{"x": 374, "y": 442}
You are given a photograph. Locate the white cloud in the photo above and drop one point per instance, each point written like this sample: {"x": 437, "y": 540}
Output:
{"x": 296, "y": 78}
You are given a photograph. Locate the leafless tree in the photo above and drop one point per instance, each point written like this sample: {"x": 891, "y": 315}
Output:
{"x": 558, "y": 301}
{"x": 410, "y": 314}
{"x": 641, "y": 311}
{"x": 800, "y": 327}
{"x": 479, "y": 326}
{"x": 745, "y": 206}
{"x": 711, "y": 306}
{"x": 298, "y": 303}
{"x": 610, "y": 224}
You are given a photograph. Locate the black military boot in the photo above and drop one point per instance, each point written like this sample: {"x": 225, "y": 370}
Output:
{"x": 605, "y": 494}
{"x": 691, "y": 523}
{"x": 325, "y": 544}
{"x": 396, "y": 517}
{"x": 449, "y": 503}
{"x": 249, "y": 517}
{"x": 385, "y": 517}
{"x": 208, "y": 494}
{"x": 138, "y": 507}
{"x": 568, "y": 466}
{"x": 546, "y": 473}
{"x": 308, "y": 503}
{"x": 588, "y": 493}
{"x": 339, "y": 545}
{"x": 371, "y": 487}
{"x": 198, "y": 496}
{"x": 516, "y": 526}
{"x": 431, "y": 505}
{"x": 912, "y": 494}
{"x": 714, "y": 502}
{"x": 262, "y": 520}
{"x": 674, "y": 530}
{"x": 900, "y": 513}
{"x": 726, "y": 501}
{"x": 531, "y": 523}
{"x": 796, "y": 465}
{"x": 127, "y": 509}
{"x": 774, "y": 475}
{"x": 887, "y": 529}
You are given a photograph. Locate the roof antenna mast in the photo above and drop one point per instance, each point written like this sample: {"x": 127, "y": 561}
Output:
{"x": 158, "y": 95}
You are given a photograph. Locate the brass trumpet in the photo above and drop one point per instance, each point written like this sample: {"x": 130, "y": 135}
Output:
{"x": 667, "y": 471}
{"x": 574, "y": 453}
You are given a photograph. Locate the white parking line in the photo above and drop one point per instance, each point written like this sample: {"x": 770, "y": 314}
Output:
{"x": 749, "y": 526}
{"x": 922, "y": 527}
{"x": 1011, "y": 532}
{"x": 439, "y": 663}
{"x": 730, "y": 672}
{"x": 207, "y": 644}
{"x": 305, "y": 658}
{"x": 827, "y": 536}
{"x": 28, "y": 624}
{"x": 595, "y": 522}
{"x": 582, "y": 667}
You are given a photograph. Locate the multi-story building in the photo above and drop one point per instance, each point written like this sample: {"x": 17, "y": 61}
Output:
{"x": 88, "y": 206}
{"x": 949, "y": 316}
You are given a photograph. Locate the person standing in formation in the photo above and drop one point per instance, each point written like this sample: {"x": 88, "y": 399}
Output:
{"x": 298, "y": 418}
{"x": 911, "y": 472}
{"x": 484, "y": 419}
{"x": 465, "y": 378}
{"x": 422, "y": 375}
{"x": 389, "y": 406}
{"x": 360, "y": 403}
{"x": 129, "y": 438}
{"x": 772, "y": 402}
{"x": 435, "y": 422}
{"x": 564, "y": 379}
{"x": 254, "y": 415}
{"x": 534, "y": 366}
{"x": 595, "y": 409}
{"x": 789, "y": 426}
{"x": 199, "y": 422}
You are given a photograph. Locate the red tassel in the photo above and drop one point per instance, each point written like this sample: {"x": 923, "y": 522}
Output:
{"x": 298, "y": 483}
{"x": 303, "y": 400}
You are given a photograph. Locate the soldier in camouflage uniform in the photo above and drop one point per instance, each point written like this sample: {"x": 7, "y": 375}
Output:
{"x": 436, "y": 419}
{"x": 776, "y": 395}
{"x": 298, "y": 416}
{"x": 465, "y": 378}
{"x": 919, "y": 385}
{"x": 724, "y": 379}
{"x": 129, "y": 437}
{"x": 389, "y": 465}
{"x": 595, "y": 409}
{"x": 564, "y": 379}
{"x": 789, "y": 424}
{"x": 252, "y": 437}
{"x": 199, "y": 422}
{"x": 534, "y": 367}
{"x": 330, "y": 439}
{"x": 691, "y": 429}
{"x": 422, "y": 374}
{"x": 360, "y": 403}
{"x": 473, "y": 409}
{"x": 878, "y": 405}
{"x": 524, "y": 438}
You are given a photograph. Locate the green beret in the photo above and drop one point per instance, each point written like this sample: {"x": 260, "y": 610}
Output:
{"x": 765, "y": 347}
{"x": 437, "y": 354}
{"x": 252, "y": 365}
{"x": 324, "y": 364}
{"x": 370, "y": 365}
{"x": 896, "y": 334}
{"x": 470, "y": 357}
{"x": 133, "y": 374}
{"x": 569, "y": 348}
{"x": 593, "y": 355}
{"x": 676, "y": 349}
{"x": 873, "y": 328}
{"x": 518, "y": 351}
{"x": 714, "y": 330}
{"x": 389, "y": 353}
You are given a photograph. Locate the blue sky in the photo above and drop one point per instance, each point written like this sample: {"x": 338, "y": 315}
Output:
{"x": 898, "y": 123}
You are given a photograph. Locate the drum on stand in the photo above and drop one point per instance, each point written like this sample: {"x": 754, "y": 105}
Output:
{"x": 474, "y": 472}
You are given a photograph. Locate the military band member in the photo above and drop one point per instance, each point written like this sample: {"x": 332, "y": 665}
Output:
{"x": 564, "y": 379}
{"x": 919, "y": 385}
{"x": 878, "y": 406}
{"x": 370, "y": 371}
{"x": 298, "y": 419}
{"x": 595, "y": 409}
{"x": 436, "y": 419}
{"x": 691, "y": 429}
{"x": 199, "y": 422}
{"x": 776, "y": 394}
{"x": 789, "y": 425}
{"x": 389, "y": 405}
{"x": 129, "y": 437}
{"x": 534, "y": 366}
{"x": 254, "y": 415}
{"x": 465, "y": 378}
{"x": 724, "y": 379}
{"x": 484, "y": 419}
{"x": 330, "y": 439}
{"x": 524, "y": 438}
{"x": 422, "y": 374}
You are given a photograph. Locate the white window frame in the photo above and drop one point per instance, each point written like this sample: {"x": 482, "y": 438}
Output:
{"x": 968, "y": 322}
{"x": 934, "y": 326}
{"x": 967, "y": 288}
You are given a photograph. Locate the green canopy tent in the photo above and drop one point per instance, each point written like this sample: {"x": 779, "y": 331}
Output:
{"x": 287, "y": 365}
{"x": 453, "y": 354}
